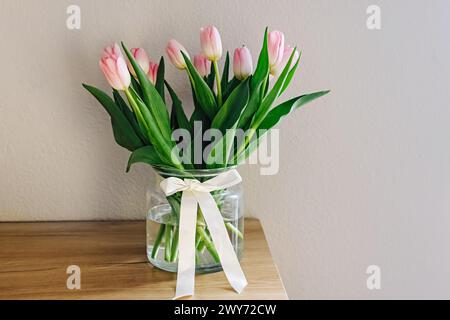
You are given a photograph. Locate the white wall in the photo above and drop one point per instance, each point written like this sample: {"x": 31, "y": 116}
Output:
{"x": 364, "y": 175}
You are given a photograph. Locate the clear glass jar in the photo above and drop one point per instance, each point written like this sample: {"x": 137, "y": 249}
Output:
{"x": 163, "y": 217}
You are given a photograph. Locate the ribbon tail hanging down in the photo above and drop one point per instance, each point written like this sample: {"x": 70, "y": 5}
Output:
{"x": 186, "y": 255}
{"x": 222, "y": 243}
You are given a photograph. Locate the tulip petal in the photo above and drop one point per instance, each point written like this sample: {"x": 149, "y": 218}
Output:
{"x": 123, "y": 73}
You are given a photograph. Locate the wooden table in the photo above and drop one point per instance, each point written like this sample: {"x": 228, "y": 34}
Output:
{"x": 111, "y": 255}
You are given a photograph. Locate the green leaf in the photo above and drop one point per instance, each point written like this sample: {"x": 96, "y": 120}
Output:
{"x": 250, "y": 110}
{"x": 262, "y": 68}
{"x": 231, "y": 110}
{"x": 279, "y": 112}
{"x": 136, "y": 86}
{"x": 225, "y": 73}
{"x": 273, "y": 94}
{"x": 252, "y": 146}
{"x": 226, "y": 121}
{"x": 209, "y": 79}
{"x": 221, "y": 149}
{"x": 232, "y": 84}
{"x": 162, "y": 146}
{"x": 181, "y": 120}
{"x": 257, "y": 85}
{"x": 199, "y": 114}
{"x": 203, "y": 92}
{"x": 266, "y": 86}
{"x": 151, "y": 98}
{"x": 124, "y": 133}
{"x": 130, "y": 116}
{"x": 177, "y": 107}
{"x": 159, "y": 85}
{"x": 290, "y": 75}
{"x": 173, "y": 120}
{"x": 146, "y": 155}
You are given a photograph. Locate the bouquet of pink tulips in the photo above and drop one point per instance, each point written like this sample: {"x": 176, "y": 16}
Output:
{"x": 243, "y": 102}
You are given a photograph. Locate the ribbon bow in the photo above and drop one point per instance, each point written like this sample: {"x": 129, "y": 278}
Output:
{"x": 196, "y": 192}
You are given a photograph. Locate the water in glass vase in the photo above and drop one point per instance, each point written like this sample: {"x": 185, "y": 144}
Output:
{"x": 162, "y": 237}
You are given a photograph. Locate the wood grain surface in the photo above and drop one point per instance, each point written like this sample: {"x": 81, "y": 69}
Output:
{"x": 112, "y": 258}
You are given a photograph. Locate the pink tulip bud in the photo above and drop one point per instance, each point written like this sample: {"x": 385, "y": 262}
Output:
{"x": 211, "y": 43}
{"x": 202, "y": 64}
{"x": 242, "y": 63}
{"x": 275, "y": 46}
{"x": 286, "y": 55}
{"x": 141, "y": 58}
{"x": 114, "y": 67}
{"x": 173, "y": 50}
{"x": 153, "y": 72}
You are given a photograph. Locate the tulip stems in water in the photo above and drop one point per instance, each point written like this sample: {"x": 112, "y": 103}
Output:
{"x": 219, "y": 89}
{"x": 168, "y": 241}
{"x": 208, "y": 243}
{"x": 234, "y": 230}
{"x": 200, "y": 244}
{"x": 198, "y": 240}
{"x": 174, "y": 253}
{"x": 158, "y": 240}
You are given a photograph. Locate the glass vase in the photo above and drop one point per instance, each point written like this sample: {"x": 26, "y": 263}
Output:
{"x": 163, "y": 217}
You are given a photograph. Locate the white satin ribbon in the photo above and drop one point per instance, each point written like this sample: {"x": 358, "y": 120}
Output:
{"x": 195, "y": 192}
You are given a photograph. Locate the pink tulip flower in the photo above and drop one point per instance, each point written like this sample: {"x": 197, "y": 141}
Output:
{"x": 153, "y": 72}
{"x": 141, "y": 58}
{"x": 286, "y": 55}
{"x": 211, "y": 43}
{"x": 242, "y": 63}
{"x": 202, "y": 64}
{"x": 173, "y": 50}
{"x": 275, "y": 46}
{"x": 114, "y": 67}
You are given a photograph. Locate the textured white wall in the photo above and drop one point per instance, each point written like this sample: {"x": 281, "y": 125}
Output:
{"x": 370, "y": 161}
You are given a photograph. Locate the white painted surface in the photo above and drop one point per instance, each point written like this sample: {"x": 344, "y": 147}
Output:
{"x": 371, "y": 160}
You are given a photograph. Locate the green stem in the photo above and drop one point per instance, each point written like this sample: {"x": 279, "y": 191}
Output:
{"x": 254, "y": 125}
{"x": 208, "y": 243}
{"x": 166, "y": 148}
{"x": 200, "y": 244}
{"x": 135, "y": 108}
{"x": 158, "y": 239}
{"x": 198, "y": 240}
{"x": 168, "y": 241}
{"x": 201, "y": 247}
{"x": 175, "y": 238}
{"x": 219, "y": 87}
{"x": 197, "y": 258}
{"x": 244, "y": 145}
{"x": 234, "y": 230}
{"x": 190, "y": 78}
{"x": 264, "y": 86}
